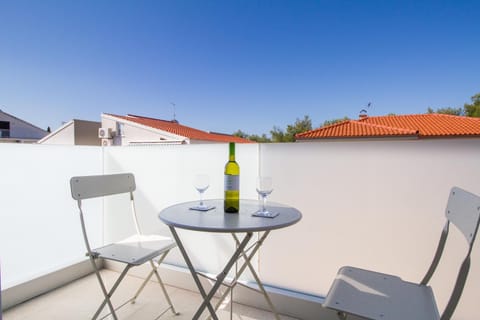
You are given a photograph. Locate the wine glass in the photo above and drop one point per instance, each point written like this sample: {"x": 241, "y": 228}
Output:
{"x": 201, "y": 182}
{"x": 264, "y": 188}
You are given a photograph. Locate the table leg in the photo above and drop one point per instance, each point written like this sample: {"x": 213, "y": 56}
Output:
{"x": 255, "y": 275}
{"x": 222, "y": 275}
{"x": 206, "y": 302}
{"x": 252, "y": 270}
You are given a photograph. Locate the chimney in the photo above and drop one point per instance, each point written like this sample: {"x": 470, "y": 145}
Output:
{"x": 363, "y": 114}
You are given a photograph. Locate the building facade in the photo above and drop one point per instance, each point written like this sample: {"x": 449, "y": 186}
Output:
{"x": 15, "y": 130}
{"x": 139, "y": 130}
{"x": 75, "y": 132}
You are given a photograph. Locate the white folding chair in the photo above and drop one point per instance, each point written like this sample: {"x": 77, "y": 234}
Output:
{"x": 133, "y": 251}
{"x": 380, "y": 296}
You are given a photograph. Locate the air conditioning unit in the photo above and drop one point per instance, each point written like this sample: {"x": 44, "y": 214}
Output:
{"x": 105, "y": 133}
{"x": 107, "y": 142}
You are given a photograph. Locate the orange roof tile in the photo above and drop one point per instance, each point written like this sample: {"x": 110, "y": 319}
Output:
{"x": 181, "y": 130}
{"x": 414, "y": 125}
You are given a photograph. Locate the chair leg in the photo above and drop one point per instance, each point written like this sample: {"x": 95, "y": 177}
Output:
{"x": 109, "y": 294}
{"x": 104, "y": 291}
{"x": 133, "y": 300}
{"x": 342, "y": 315}
{"x": 165, "y": 293}
{"x": 160, "y": 281}
{"x": 105, "y": 301}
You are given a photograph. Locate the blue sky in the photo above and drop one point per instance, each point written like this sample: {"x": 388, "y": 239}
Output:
{"x": 230, "y": 65}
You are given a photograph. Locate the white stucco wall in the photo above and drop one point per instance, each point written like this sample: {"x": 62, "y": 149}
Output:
{"x": 373, "y": 204}
{"x": 39, "y": 229}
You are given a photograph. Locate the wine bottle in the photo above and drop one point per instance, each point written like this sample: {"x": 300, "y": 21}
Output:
{"x": 232, "y": 183}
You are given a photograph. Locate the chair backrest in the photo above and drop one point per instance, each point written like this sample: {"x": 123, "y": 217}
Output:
{"x": 463, "y": 211}
{"x": 86, "y": 187}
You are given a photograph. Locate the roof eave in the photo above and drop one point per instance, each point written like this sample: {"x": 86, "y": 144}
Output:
{"x": 54, "y": 133}
{"x": 450, "y": 136}
{"x": 169, "y": 134}
{"x": 376, "y": 137}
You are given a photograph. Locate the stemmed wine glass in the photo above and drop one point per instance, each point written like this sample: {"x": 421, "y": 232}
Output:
{"x": 201, "y": 182}
{"x": 264, "y": 188}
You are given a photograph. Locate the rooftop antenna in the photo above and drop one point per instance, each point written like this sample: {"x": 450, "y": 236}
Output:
{"x": 174, "y": 115}
{"x": 363, "y": 112}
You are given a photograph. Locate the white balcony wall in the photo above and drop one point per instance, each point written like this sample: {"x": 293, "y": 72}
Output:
{"x": 164, "y": 176}
{"x": 39, "y": 222}
{"x": 373, "y": 204}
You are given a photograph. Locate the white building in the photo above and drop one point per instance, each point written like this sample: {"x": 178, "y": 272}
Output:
{"x": 75, "y": 132}
{"x": 138, "y": 130}
{"x": 15, "y": 130}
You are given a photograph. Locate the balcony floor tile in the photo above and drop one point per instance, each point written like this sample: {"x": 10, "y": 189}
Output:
{"x": 79, "y": 300}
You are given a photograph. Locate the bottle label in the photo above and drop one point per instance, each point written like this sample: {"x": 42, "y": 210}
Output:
{"x": 232, "y": 182}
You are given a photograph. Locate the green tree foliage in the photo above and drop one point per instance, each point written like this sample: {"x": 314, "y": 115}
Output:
{"x": 240, "y": 133}
{"x": 253, "y": 137}
{"x": 469, "y": 110}
{"x": 278, "y": 134}
{"x": 257, "y": 138}
{"x": 300, "y": 125}
{"x": 333, "y": 121}
{"x": 449, "y": 110}
{"x": 473, "y": 109}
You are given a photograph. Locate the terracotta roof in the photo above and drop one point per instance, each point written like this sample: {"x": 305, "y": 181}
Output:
{"x": 413, "y": 125}
{"x": 181, "y": 130}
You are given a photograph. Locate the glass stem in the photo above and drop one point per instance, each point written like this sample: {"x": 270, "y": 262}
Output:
{"x": 201, "y": 199}
{"x": 264, "y": 203}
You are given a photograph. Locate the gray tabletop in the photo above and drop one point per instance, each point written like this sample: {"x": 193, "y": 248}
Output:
{"x": 216, "y": 220}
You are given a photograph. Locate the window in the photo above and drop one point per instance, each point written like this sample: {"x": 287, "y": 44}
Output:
{"x": 4, "y": 129}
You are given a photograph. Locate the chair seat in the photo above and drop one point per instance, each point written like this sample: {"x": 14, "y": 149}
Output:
{"x": 137, "y": 249}
{"x": 376, "y": 295}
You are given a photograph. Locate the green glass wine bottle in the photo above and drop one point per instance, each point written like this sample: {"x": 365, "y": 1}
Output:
{"x": 232, "y": 183}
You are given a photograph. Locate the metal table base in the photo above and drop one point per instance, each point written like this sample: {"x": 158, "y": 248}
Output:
{"x": 216, "y": 221}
